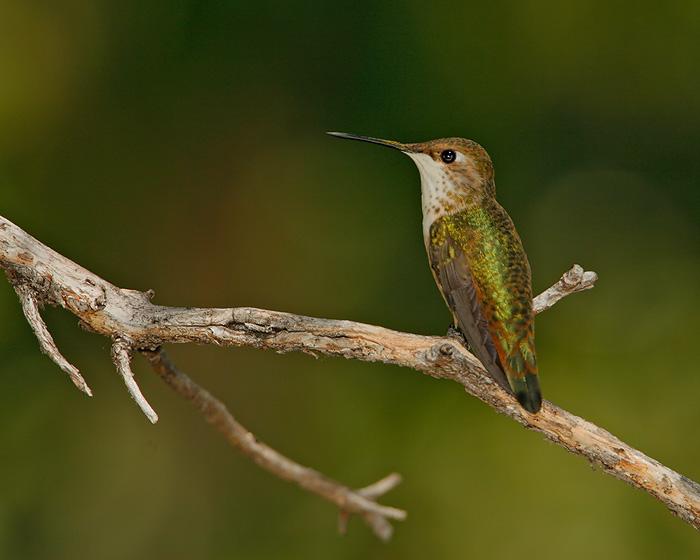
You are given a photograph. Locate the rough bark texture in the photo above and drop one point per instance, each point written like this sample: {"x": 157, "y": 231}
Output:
{"x": 41, "y": 276}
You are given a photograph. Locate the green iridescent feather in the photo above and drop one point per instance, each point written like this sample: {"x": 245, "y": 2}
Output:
{"x": 481, "y": 268}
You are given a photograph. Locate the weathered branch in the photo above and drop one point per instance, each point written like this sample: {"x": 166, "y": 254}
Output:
{"x": 129, "y": 315}
{"x": 39, "y": 274}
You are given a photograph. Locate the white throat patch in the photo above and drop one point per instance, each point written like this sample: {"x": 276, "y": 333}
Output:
{"x": 435, "y": 190}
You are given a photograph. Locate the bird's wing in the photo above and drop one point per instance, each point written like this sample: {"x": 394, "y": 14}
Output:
{"x": 451, "y": 270}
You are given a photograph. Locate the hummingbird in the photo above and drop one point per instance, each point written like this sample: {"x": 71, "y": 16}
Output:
{"x": 477, "y": 259}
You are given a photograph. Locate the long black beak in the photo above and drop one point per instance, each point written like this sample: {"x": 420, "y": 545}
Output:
{"x": 390, "y": 143}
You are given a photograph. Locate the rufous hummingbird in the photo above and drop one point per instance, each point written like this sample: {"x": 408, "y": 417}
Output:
{"x": 477, "y": 259}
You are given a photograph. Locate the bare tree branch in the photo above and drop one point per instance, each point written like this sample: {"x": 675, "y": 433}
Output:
{"x": 359, "y": 502}
{"x": 129, "y": 315}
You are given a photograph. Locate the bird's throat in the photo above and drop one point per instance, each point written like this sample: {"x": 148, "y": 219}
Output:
{"x": 442, "y": 193}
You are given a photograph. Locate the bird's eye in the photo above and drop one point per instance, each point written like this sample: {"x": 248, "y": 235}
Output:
{"x": 448, "y": 156}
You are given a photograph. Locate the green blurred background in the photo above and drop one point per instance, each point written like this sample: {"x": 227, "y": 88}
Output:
{"x": 181, "y": 146}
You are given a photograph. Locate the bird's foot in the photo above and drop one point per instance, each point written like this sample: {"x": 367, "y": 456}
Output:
{"x": 453, "y": 331}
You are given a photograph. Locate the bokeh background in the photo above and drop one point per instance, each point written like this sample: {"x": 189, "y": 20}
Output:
{"x": 181, "y": 146}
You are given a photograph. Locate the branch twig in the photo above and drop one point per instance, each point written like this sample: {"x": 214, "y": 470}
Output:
{"x": 30, "y": 307}
{"x": 129, "y": 315}
{"x": 121, "y": 356}
{"x": 574, "y": 280}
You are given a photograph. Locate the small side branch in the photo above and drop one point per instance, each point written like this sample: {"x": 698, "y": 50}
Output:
{"x": 121, "y": 356}
{"x": 47, "y": 345}
{"x": 361, "y": 502}
{"x": 573, "y": 280}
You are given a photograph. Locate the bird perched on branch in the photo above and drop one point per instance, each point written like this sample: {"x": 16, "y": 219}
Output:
{"x": 477, "y": 259}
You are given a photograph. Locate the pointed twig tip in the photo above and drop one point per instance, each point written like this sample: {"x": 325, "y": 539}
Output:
{"x": 121, "y": 356}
